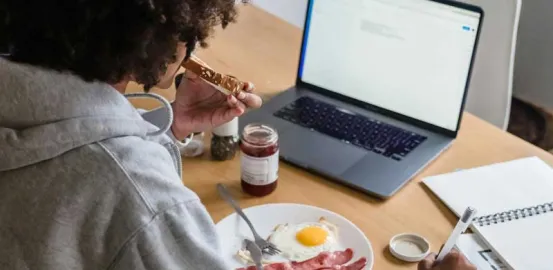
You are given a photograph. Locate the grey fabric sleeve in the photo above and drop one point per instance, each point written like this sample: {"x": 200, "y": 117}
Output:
{"x": 158, "y": 117}
{"x": 182, "y": 237}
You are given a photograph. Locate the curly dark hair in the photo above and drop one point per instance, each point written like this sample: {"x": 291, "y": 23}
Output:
{"x": 107, "y": 40}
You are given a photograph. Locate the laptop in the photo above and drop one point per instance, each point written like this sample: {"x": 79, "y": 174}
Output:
{"x": 380, "y": 89}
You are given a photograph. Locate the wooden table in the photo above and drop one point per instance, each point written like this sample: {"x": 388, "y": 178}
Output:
{"x": 264, "y": 49}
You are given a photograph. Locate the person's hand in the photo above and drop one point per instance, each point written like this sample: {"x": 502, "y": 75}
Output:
{"x": 199, "y": 106}
{"x": 452, "y": 261}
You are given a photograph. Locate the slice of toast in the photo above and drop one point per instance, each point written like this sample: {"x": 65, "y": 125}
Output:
{"x": 227, "y": 84}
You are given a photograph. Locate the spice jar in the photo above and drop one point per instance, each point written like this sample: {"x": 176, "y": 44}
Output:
{"x": 224, "y": 141}
{"x": 196, "y": 146}
{"x": 259, "y": 160}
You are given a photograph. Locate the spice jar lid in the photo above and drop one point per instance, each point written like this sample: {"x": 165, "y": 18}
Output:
{"x": 409, "y": 247}
{"x": 227, "y": 129}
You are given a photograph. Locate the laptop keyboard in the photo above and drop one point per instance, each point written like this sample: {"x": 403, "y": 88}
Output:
{"x": 358, "y": 130}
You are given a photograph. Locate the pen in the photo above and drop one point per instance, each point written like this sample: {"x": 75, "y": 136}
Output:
{"x": 461, "y": 227}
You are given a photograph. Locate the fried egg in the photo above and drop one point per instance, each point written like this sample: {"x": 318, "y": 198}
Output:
{"x": 300, "y": 242}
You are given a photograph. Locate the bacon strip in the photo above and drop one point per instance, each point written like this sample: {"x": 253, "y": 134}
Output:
{"x": 357, "y": 265}
{"x": 323, "y": 261}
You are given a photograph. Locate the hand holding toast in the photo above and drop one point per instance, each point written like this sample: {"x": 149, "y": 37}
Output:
{"x": 201, "y": 105}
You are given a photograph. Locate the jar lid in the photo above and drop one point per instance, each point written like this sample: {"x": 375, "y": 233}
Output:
{"x": 259, "y": 134}
{"x": 409, "y": 247}
{"x": 227, "y": 129}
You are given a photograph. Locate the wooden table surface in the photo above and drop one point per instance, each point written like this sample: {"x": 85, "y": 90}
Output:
{"x": 263, "y": 49}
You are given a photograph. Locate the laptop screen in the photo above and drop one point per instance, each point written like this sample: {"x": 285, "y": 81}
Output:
{"x": 412, "y": 57}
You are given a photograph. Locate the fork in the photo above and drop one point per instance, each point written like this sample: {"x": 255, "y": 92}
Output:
{"x": 265, "y": 246}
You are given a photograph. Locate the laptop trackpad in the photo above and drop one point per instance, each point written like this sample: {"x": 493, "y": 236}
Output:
{"x": 318, "y": 152}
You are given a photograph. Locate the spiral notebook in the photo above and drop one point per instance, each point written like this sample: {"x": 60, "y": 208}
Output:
{"x": 514, "y": 201}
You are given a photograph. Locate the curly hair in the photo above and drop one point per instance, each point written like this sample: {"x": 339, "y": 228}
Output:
{"x": 108, "y": 40}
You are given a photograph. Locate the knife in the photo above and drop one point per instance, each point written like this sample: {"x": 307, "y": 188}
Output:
{"x": 255, "y": 253}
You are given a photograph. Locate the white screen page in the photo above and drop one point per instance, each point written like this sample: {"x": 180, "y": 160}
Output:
{"x": 408, "y": 56}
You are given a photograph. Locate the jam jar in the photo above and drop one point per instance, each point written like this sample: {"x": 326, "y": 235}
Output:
{"x": 259, "y": 159}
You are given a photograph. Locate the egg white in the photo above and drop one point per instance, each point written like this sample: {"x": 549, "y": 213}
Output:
{"x": 284, "y": 237}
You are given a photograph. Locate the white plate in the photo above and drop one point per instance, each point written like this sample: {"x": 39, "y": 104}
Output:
{"x": 233, "y": 230}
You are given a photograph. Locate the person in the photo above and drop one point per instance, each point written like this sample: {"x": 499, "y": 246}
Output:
{"x": 86, "y": 180}
{"x": 452, "y": 261}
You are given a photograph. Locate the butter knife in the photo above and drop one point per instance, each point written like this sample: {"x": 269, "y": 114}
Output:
{"x": 255, "y": 253}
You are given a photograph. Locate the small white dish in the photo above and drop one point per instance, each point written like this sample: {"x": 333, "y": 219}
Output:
{"x": 409, "y": 247}
{"x": 233, "y": 230}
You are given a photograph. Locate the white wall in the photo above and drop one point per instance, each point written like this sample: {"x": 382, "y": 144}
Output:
{"x": 292, "y": 11}
{"x": 491, "y": 85}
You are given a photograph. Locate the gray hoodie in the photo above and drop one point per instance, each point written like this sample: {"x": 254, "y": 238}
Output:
{"x": 85, "y": 182}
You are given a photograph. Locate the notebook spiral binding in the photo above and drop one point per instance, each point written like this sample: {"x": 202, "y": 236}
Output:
{"x": 513, "y": 214}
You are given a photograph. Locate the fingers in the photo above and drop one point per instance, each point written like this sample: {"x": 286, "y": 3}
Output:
{"x": 235, "y": 109}
{"x": 457, "y": 260}
{"x": 249, "y": 87}
{"x": 231, "y": 113}
{"x": 249, "y": 99}
{"x": 428, "y": 262}
{"x": 235, "y": 104}
{"x": 453, "y": 260}
{"x": 453, "y": 257}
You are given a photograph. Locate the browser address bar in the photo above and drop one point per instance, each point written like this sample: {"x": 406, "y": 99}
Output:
{"x": 406, "y": 4}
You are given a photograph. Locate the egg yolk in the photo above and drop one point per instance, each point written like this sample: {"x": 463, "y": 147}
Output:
{"x": 312, "y": 236}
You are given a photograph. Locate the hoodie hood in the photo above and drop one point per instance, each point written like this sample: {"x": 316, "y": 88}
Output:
{"x": 44, "y": 113}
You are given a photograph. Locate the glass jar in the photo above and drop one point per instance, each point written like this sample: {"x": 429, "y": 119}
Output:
{"x": 259, "y": 160}
{"x": 223, "y": 147}
{"x": 224, "y": 142}
{"x": 196, "y": 147}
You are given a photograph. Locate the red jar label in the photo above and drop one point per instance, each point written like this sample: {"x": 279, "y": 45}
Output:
{"x": 259, "y": 171}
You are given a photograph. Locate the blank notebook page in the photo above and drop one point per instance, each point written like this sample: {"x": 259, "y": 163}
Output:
{"x": 526, "y": 243}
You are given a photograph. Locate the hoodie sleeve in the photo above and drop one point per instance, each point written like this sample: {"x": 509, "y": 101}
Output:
{"x": 158, "y": 117}
{"x": 169, "y": 227}
{"x": 182, "y": 237}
